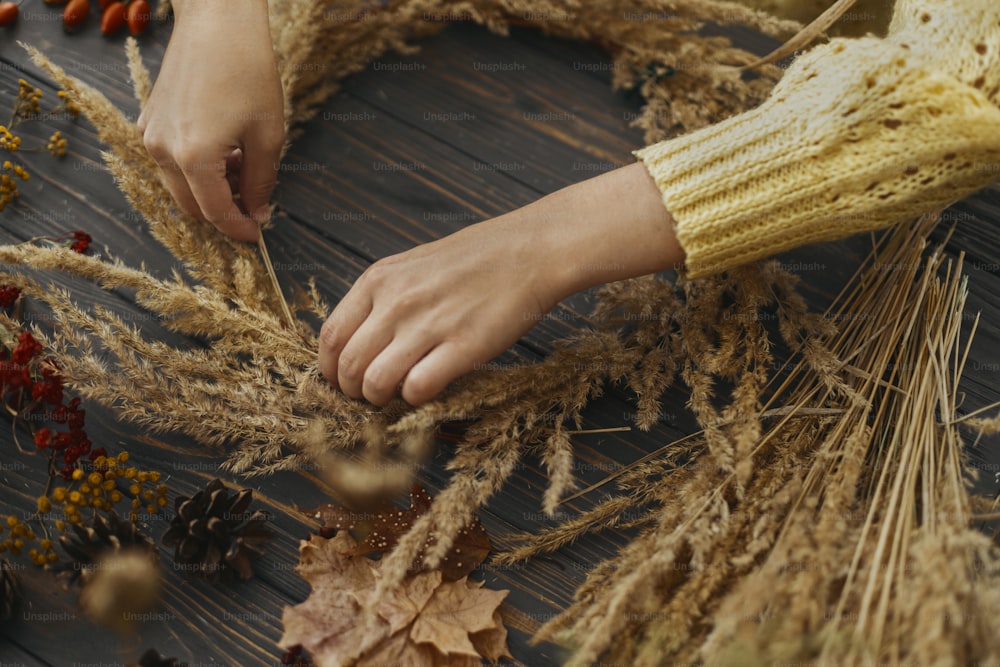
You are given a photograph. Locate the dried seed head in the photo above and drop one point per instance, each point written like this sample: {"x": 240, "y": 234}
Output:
{"x": 122, "y": 586}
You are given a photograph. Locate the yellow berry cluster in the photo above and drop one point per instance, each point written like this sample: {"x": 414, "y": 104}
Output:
{"x": 20, "y": 534}
{"x": 28, "y": 99}
{"x": 8, "y": 141}
{"x": 28, "y": 106}
{"x": 8, "y": 186}
{"x": 109, "y": 482}
{"x": 68, "y": 105}
{"x": 57, "y": 145}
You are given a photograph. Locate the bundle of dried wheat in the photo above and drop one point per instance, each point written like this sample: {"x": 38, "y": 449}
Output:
{"x": 830, "y": 522}
{"x": 256, "y": 375}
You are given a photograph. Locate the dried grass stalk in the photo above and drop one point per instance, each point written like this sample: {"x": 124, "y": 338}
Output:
{"x": 841, "y": 533}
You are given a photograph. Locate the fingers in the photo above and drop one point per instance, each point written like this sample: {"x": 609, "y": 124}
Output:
{"x": 211, "y": 190}
{"x": 202, "y": 186}
{"x": 373, "y": 366}
{"x": 177, "y": 185}
{"x": 338, "y": 329}
{"x": 367, "y": 359}
{"x": 435, "y": 371}
{"x": 387, "y": 370}
{"x": 233, "y": 163}
{"x": 259, "y": 172}
{"x": 365, "y": 344}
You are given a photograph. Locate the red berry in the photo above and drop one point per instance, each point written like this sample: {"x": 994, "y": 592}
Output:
{"x": 61, "y": 441}
{"x": 27, "y": 348}
{"x": 137, "y": 15}
{"x": 75, "y": 13}
{"x": 8, "y": 13}
{"x": 42, "y": 437}
{"x": 8, "y": 295}
{"x": 113, "y": 18}
{"x": 81, "y": 241}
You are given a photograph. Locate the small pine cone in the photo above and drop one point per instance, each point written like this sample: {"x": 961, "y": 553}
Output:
{"x": 91, "y": 542}
{"x": 152, "y": 658}
{"x": 212, "y": 533}
{"x": 9, "y": 591}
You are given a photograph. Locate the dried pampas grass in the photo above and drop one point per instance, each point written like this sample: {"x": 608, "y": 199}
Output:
{"x": 748, "y": 542}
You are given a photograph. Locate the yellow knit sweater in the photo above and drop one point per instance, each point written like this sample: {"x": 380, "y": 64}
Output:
{"x": 858, "y": 135}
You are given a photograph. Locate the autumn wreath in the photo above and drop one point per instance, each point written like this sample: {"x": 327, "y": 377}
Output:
{"x": 801, "y": 523}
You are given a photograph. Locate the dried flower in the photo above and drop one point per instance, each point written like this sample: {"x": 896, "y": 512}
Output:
{"x": 68, "y": 105}
{"x": 56, "y": 145}
{"x": 8, "y": 295}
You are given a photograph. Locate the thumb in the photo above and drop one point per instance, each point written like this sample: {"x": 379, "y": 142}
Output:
{"x": 258, "y": 175}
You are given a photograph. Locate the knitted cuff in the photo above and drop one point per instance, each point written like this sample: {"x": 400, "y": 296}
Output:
{"x": 856, "y": 136}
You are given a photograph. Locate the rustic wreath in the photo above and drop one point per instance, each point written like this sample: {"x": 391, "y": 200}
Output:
{"x": 777, "y": 531}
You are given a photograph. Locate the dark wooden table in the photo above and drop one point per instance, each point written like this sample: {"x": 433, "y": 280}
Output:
{"x": 394, "y": 160}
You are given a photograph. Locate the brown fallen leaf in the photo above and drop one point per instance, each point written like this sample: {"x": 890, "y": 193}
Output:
{"x": 492, "y": 642}
{"x": 326, "y": 624}
{"x": 379, "y": 531}
{"x": 427, "y": 623}
{"x": 456, "y": 610}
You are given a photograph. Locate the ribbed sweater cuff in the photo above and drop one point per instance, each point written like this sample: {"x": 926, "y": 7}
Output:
{"x": 853, "y": 138}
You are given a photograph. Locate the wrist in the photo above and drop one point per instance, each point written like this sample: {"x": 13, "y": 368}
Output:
{"x": 612, "y": 227}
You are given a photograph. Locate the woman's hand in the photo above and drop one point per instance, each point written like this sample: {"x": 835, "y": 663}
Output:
{"x": 424, "y": 317}
{"x": 214, "y": 122}
{"x": 433, "y": 313}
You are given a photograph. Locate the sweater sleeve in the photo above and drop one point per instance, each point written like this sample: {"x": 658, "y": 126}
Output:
{"x": 858, "y": 135}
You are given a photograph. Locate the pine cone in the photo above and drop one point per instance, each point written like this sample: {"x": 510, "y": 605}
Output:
{"x": 91, "y": 542}
{"x": 9, "y": 591}
{"x": 212, "y": 533}
{"x": 152, "y": 658}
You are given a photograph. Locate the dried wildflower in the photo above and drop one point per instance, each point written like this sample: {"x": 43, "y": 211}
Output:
{"x": 56, "y": 145}
{"x": 8, "y": 295}
{"x": 27, "y": 107}
{"x": 122, "y": 585}
{"x": 68, "y": 105}
{"x": 28, "y": 102}
{"x": 8, "y": 186}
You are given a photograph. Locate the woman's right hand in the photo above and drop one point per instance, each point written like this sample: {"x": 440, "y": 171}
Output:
{"x": 214, "y": 122}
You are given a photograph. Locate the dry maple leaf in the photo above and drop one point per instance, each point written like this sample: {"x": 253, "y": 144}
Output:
{"x": 428, "y": 622}
{"x": 379, "y": 531}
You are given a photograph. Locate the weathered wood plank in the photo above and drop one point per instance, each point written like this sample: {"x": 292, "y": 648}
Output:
{"x": 342, "y": 212}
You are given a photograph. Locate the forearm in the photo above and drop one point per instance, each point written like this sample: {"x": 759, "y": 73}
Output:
{"x": 225, "y": 10}
{"x": 604, "y": 229}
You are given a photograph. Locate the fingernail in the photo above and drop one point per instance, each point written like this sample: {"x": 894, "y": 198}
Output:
{"x": 262, "y": 214}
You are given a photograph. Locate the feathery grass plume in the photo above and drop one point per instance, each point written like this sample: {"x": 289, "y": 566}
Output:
{"x": 207, "y": 255}
{"x": 558, "y": 459}
{"x": 141, "y": 83}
